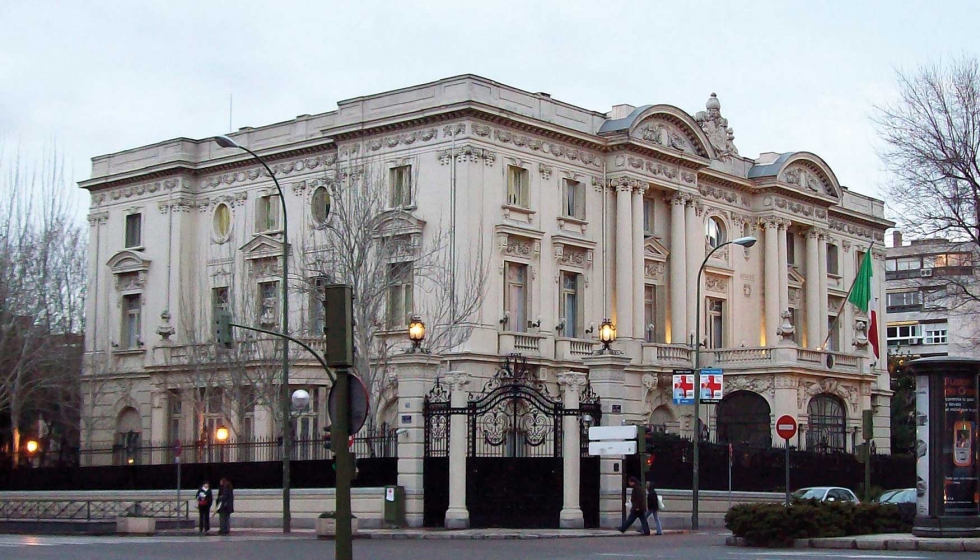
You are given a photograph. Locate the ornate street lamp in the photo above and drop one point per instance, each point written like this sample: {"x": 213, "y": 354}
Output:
{"x": 416, "y": 333}
{"x": 32, "y": 447}
{"x": 742, "y": 242}
{"x": 221, "y": 434}
{"x": 607, "y": 335}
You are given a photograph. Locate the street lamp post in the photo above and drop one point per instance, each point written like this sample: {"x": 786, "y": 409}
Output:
{"x": 284, "y": 400}
{"x": 743, "y": 242}
{"x": 221, "y": 436}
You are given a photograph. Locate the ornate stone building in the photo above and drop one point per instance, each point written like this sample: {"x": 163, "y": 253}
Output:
{"x": 582, "y": 216}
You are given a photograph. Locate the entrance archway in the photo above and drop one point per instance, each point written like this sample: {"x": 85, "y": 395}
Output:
{"x": 827, "y": 424}
{"x": 745, "y": 418}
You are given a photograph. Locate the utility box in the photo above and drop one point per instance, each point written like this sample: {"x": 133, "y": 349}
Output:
{"x": 394, "y": 506}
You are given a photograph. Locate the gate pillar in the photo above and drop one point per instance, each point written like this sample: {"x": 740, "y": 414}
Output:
{"x": 457, "y": 516}
{"x": 415, "y": 373}
{"x": 607, "y": 374}
{"x": 572, "y": 383}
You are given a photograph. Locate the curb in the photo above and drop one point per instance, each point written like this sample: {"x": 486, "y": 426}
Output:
{"x": 906, "y": 544}
{"x": 455, "y": 535}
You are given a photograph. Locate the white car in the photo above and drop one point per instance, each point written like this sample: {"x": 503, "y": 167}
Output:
{"x": 826, "y": 494}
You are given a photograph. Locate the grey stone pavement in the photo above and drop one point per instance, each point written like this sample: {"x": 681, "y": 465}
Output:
{"x": 252, "y": 544}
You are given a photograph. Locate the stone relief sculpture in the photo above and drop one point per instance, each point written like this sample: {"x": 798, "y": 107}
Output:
{"x": 805, "y": 391}
{"x": 716, "y": 128}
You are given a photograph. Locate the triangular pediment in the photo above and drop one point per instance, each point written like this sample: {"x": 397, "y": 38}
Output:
{"x": 127, "y": 261}
{"x": 653, "y": 249}
{"x": 262, "y": 246}
{"x": 794, "y": 277}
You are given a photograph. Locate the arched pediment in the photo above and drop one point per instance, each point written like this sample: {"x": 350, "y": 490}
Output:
{"x": 400, "y": 222}
{"x": 127, "y": 261}
{"x": 805, "y": 172}
{"x": 665, "y": 125}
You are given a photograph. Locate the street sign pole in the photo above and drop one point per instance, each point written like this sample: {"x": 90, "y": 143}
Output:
{"x": 344, "y": 550}
{"x": 786, "y": 429}
{"x": 787, "y": 472}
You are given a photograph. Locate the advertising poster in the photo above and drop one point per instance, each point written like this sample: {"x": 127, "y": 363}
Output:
{"x": 712, "y": 385}
{"x": 922, "y": 445}
{"x": 959, "y": 441}
{"x": 683, "y": 386}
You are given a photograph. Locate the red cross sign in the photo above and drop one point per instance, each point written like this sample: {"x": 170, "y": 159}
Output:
{"x": 683, "y": 387}
{"x": 712, "y": 385}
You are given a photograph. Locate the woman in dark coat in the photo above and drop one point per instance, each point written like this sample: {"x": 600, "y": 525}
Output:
{"x": 226, "y": 506}
{"x": 204, "y": 499}
{"x": 653, "y": 506}
{"x": 638, "y": 511}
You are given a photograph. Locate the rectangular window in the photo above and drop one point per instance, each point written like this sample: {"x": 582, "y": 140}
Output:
{"x": 905, "y": 263}
{"x": 267, "y": 213}
{"x": 570, "y": 306}
{"x": 131, "y": 321}
{"x": 573, "y": 199}
{"x": 903, "y": 299}
{"x": 715, "y": 322}
{"x": 518, "y": 187}
{"x": 649, "y": 207}
{"x": 134, "y": 230}
{"x": 401, "y": 186}
{"x": 515, "y": 296}
{"x": 650, "y": 313}
{"x": 833, "y": 260}
{"x": 268, "y": 304}
{"x": 790, "y": 248}
{"x": 834, "y": 342}
{"x": 936, "y": 333}
{"x": 400, "y": 292}
{"x": 890, "y": 265}
{"x": 904, "y": 334}
{"x": 175, "y": 412}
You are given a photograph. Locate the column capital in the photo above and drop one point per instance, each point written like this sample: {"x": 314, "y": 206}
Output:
{"x": 456, "y": 379}
{"x": 677, "y": 198}
{"x": 572, "y": 380}
{"x": 769, "y": 222}
{"x": 641, "y": 188}
{"x": 624, "y": 183}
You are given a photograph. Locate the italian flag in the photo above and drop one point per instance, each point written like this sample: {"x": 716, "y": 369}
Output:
{"x": 862, "y": 295}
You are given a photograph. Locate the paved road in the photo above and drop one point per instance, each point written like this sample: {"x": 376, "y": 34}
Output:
{"x": 303, "y": 546}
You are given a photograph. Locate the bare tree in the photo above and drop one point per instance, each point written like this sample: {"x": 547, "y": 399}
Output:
{"x": 42, "y": 287}
{"x": 398, "y": 265}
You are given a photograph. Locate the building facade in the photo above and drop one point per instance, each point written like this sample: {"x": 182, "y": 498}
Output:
{"x": 579, "y": 215}
{"x": 925, "y": 317}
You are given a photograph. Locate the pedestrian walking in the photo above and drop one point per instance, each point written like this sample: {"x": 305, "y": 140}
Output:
{"x": 653, "y": 506}
{"x": 204, "y": 500}
{"x": 226, "y": 506}
{"x": 638, "y": 509}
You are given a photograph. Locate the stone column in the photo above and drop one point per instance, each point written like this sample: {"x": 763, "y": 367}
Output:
{"x": 813, "y": 339}
{"x": 572, "y": 383}
{"x": 415, "y": 373}
{"x": 607, "y": 373}
{"x": 639, "y": 328}
{"x": 695, "y": 254}
{"x": 783, "y": 268}
{"x": 822, "y": 284}
{"x": 771, "y": 285}
{"x": 457, "y": 516}
{"x": 678, "y": 271}
{"x": 624, "y": 260}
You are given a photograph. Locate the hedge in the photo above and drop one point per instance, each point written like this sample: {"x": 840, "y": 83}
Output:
{"x": 774, "y": 525}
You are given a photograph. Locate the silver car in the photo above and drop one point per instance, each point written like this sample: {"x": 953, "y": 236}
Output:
{"x": 826, "y": 494}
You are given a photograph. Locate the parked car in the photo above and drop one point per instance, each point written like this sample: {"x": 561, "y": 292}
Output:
{"x": 826, "y": 494}
{"x": 904, "y": 498}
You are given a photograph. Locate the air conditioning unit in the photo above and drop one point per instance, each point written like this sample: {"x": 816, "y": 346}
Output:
{"x": 925, "y": 272}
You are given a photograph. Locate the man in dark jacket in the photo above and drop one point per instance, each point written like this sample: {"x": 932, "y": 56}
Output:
{"x": 653, "y": 506}
{"x": 639, "y": 509}
{"x": 204, "y": 499}
{"x": 226, "y": 506}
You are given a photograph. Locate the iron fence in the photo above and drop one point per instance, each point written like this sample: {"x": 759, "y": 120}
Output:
{"x": 91, "y": 510}
{"x": 377, "y": 443}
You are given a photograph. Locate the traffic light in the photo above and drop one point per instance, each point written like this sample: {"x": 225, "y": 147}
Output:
{"x": 326, "y": 439}
{"x": 222, "y": 329}
{"x": 868, "y": 424}
{"x": 338, "y": 315}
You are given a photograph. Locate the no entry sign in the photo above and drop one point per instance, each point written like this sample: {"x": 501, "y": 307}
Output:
{"x": 786, "y": 426}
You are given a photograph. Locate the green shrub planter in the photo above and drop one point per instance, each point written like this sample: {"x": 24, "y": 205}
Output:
{"x": 775, "y": 525}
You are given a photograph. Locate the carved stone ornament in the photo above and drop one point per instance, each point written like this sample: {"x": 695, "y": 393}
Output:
{"x": 165, "y": 330}
{"x": 716, "y": 128}
{"x": 786, "y": 329}
{"x": 665, "y": 134}
{"x": 860, "y": 332}
{"x": 716, "y": 283}
{"x": 806, "y": 391}
{"x": 760, "y": 384}
{"x": 545, "y": 171}
{"x": 654, "y": 270}
{"x": 467, "y": 153}
{"x": 808, "y": 179}
{"x": 572, "y": 380}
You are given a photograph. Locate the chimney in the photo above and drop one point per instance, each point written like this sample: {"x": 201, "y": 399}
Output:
{"x": 620, "y": 111}
{"x": 896, "y": 238}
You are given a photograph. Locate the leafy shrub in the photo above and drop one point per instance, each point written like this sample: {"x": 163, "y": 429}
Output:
{"x": 774, "y": 525}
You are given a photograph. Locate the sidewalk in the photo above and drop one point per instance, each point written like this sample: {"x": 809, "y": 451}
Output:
{"x": 899, "y": 541}
{"x": 442, "y": 534}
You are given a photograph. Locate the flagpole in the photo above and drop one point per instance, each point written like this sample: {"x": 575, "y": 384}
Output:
{"x": 846, "y": 298}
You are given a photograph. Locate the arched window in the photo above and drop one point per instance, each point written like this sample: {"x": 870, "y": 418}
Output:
{"x": 221, "y": 222}
{"x": 827, "y": 424}
{"x": 129, "y": 430}
{"x": 714, "y": 231}
{"x": 661, "y": 419}
{"x": 744, "y": 418}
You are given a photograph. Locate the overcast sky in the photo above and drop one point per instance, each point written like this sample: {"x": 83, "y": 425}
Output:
{"x": 98, "y": 77}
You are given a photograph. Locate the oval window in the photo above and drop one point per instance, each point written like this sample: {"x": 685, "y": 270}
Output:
{"x": 222, "y": 221}
{"x": 320, "y": 205}
{"x": 714, "y": 232}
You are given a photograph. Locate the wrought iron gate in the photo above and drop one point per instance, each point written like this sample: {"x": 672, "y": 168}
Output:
{"x": 514, "y": 450}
